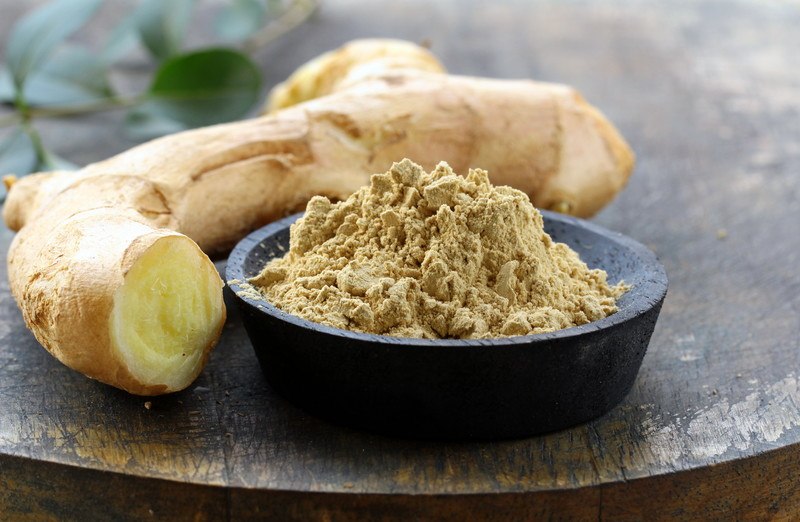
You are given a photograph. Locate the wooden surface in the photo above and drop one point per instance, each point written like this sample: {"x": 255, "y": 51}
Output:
{"x": 708, "y": 94}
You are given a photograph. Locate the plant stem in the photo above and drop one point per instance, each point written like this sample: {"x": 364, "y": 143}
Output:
{"x": 42, "y": 157}
{"x": 107, "y": 104}
{"x": 21, "y": 112}
{"x": 19, "y": 102}
{"x": 295, "y": 15}
{"x": 26, "y": 113}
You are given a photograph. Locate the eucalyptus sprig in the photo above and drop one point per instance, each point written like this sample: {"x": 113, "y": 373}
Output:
{"x": 46, "y": 76}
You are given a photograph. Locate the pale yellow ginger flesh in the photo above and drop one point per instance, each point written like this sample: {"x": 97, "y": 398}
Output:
{"x": 167, "y": 312}
{"x": 434, "y": 255}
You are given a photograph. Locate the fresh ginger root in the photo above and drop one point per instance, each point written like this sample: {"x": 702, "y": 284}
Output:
{"x": 110, "y": 291}
{"x": 108, "y": 265}
{"x": 350, "y": 64}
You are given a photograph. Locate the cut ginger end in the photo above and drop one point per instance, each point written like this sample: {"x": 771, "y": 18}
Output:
{"x": 167, "y": 314}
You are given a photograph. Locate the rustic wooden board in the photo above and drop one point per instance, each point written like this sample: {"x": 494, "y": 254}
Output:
{"x": 708, "y": 93}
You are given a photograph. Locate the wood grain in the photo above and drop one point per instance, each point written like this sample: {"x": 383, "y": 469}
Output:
{"x": 708, "y": 93}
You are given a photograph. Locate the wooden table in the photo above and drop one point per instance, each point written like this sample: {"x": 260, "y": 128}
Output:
{"x": 708, "y": 93}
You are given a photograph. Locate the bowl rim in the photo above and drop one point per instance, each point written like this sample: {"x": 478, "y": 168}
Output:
{"x": 650, "y": 293}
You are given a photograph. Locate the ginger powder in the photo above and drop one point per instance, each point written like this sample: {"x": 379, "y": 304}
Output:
{"x": 433, "y": 255}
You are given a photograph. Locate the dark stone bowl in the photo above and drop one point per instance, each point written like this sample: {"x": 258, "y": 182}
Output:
{"x": 459, "y": 389}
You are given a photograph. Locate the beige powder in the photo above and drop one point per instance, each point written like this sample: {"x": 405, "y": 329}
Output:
{"x": 433, "y": 255}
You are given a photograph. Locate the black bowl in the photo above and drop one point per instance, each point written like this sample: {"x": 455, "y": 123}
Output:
{"x": 459, "y": 389}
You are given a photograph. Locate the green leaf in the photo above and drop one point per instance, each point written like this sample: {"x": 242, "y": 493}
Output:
{"x": 121, "y": 40}
{"x": 71, "y": 75}
{"x": 6, "y": 86}
{"x": 35, "y": 36}
{"x": 55, "y": 162}
{"x": 197, "y": 89}
{"x": 240, "y": 19}
{"x": 162, "y": 25}
{"x": 17, "y": 154}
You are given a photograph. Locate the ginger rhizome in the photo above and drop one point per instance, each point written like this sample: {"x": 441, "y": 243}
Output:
{"x": 79, "y": 263}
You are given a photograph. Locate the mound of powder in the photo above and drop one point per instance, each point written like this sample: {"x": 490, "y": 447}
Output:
{"x": 433, "y": 255}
